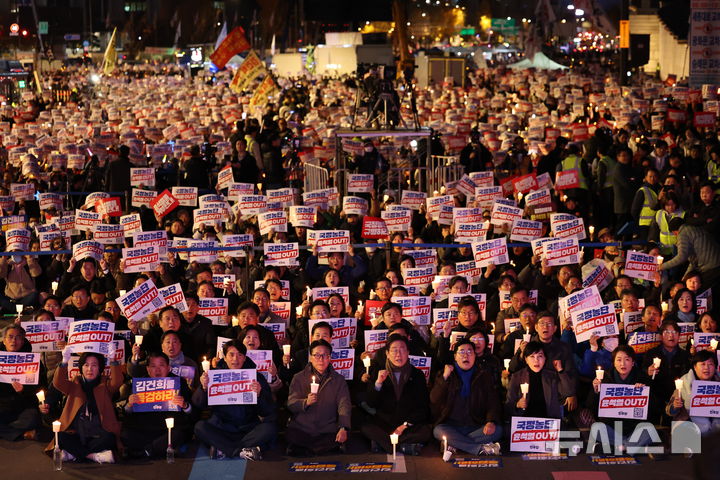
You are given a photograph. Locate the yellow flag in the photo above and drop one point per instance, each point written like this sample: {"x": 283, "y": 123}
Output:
{"x": 250, "y": 69}
{"x": 110, "y": 58}
{"x": 266, "y": 89}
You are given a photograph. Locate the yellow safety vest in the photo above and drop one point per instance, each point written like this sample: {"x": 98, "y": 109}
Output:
{"x": 610, "y": 164}
{"x": 667, "y": 238}
{"x": 713, "y": 171}
{"x": 573, "y": 162}
{"x": 647, "y": 214}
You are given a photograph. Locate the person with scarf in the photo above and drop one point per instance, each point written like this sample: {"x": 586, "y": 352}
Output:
{"x": 89, "y": 428}
{"x": 180, "y": 364}
{"x": 320, "y": 421}
{"x": 400, "y": 397}
{"x": 466, "y": 405}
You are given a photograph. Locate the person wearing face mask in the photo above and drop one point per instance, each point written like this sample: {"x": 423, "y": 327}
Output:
{"x": 89, "y": 428}
{"x": 623, "y": 372}
{"x": 466, "y": 405}
{"x": 703, "y": 368}
{"x": 674, "y": 363}
{"x": 19, "y": 273}
{"x": 548, "y": 387}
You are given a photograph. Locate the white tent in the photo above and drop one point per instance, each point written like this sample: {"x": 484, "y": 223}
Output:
{"x": 539, "y": 61}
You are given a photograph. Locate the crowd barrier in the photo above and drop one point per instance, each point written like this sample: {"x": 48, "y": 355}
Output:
{"x": 443, "y": 170}
{"x": 305, "y": 247}
{"x": 316, "y": 177}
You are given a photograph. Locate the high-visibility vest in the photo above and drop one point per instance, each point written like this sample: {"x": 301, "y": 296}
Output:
{"x": 610, "y": 164}
{"x": 573, "y": 162}
{"x": 667, "y": 238}
{"x": 713, "y": 171}
{"x": 647, "y": 214}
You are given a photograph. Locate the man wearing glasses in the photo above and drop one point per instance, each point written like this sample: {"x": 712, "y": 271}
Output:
{"x": 319, "y": 402}
{"x": 674, "y": 363}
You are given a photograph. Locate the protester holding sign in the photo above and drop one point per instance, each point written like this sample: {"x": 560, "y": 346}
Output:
{"x": 319, "y": 402}
{"x": 19, "y": 273}
{"x": 684, "y": 400}
{"x": 88, "y": 426}
{"x": 144, "y": 433}
{"x": 466, "y": 405}
{"x": 19, "y": 416}
{"x": 237, "y": 430}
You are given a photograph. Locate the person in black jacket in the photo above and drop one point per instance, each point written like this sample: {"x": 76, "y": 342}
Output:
{"x": 674, "y": 363}
{"x": 80, "y": 307}
{"x": 399, "y": 395}
{"x": 196, "y": 170}
{"x": 117, "y": 172}
{"x": 237, "y": 430}
{"x": 145, "y": 433}
{"x": 466, "y": 404}
{"x": 626, "y": 180}
{"x": 273, "y": 163}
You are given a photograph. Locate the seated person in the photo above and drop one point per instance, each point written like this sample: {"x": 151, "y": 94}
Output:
{"x": 169, "y": 319}
{"x": 320, "y": 421}
{"x": 19, "y": 415}
{"x": 624, "y": 371}
{"x": 528, "y": 317}
{"x": 145, "y": 433}
{"x": 400, "y": 397}
{"x": 237, "y": 430}
{"x": 180, "y": 364}
{"x": 250, "y": 337}
{"x": 466, "y": 404}
{"x": 548, "y": 388}
{"x": 704, "y": 368}
{"x": 88, "y": 426}
{"x": 249, "y": 314}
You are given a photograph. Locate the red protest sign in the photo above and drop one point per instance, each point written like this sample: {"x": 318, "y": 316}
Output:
{"x": 233, "y": 44}
{"x": 373, "y": 227}
{"x": 164, "y": 203}
{"x": 566, "y": 179}
{"x": 704, "y": 119}
{"x": 111, "y": 206}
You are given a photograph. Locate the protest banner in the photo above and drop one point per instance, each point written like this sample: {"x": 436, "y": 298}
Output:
{"x": 263, "y": 360}
{"x": 525, "y": 183}
{"x": 47, "y": 201}
{"x": 631, "y": 321}
{"x": 344, "y": 330}
{"x": 281, "y": 309}
{"x": 571, "y": 228}
{"x": 90, "y": 336}
{"x": 142, "y": 198}
{"x": 397, "y": 221}
{"x": 374, "y": 228}
{"x": 525, "y": 230}
{"x": 332, "y": 240}
{"x": 323, "y": 293}
{"x": 415, "y": 309}
{"x": 142, "y": 177}
{"x": 623, "y": 401}
{"x": 641, "y": 342}
{"x": 532, "y": 434}
{"x": 234, "y": 43}
{"x": 562, "y": 252}
{"x": 303, "y": 216}
{"x": 538, "y": 197}
{"x": 375, "y": 340}
{"x": 485, "y": 196}
{"x": 421, "y": 363}
{"x": 360, "y": 183}
{"x": 423, "y": 257}
{"x": 131, "y": 224}
{"x": 272, "y": 221}
{"x": 155, "y": 394}
{"x": 412, "y": 200}
{"x": 702, "y": 340}
{"x": 640, "y": 265}
{"x": 469, "y": 270}
{"x": 44, "y": 336}
{"x": 343, "y": 361}
{"x": 599, "y": 321}
{"x": 567, "y": 179}
{"x": 243, "y": 240}
{"x": 164, "y": 203}
{"x": 216, "y": 309}
{"x": 88, "y": 248}
{"x": 108, "y": 234}
{"x": 505, "y": 214}
{"x": 491, "y": 251}
{"x": 372, "y": 307}
{"x": 281, "y": 254}
{"x": 23, "y": 368}
{"x": 705, "y": 399}
{"x": 443, "y": 315}
{"x": 249, "y": 205}
{"x": 471, "y": 232}
{"x": 278, "y": 329}
{"x": 355, "y": 206}
{"x": 422, "y": 276}
{"x": 17, "y": 239}
{"x": 596, "y": 272}
{"x": 584, "y": 299}
{"x": 185, "y": 196}
{"x": 141, "y": 301}
{"x": 174, "y": 296}
{"x": 85, "y": 220}
{"x": 232, "y": 387}
{"x": 143, "y": 259}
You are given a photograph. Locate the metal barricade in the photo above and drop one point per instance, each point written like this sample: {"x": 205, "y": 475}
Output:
{"x": 316, "y": 177}
{"x": 340, "y": 180}
{"x": 444, "y": 169}
{"x": 407, "y": 178}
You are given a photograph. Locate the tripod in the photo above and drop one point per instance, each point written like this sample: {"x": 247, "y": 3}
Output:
{"x": 384, "y": 105}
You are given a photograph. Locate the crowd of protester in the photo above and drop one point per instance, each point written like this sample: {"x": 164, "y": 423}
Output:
{"x": 649, "y": 183}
